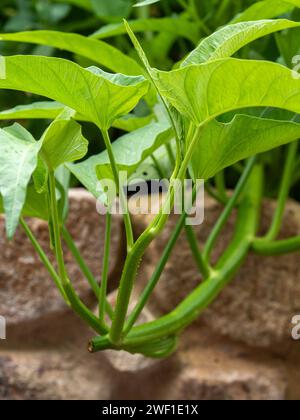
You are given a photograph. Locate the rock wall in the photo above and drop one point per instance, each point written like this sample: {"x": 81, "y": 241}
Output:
{"x": 240, "y": 349}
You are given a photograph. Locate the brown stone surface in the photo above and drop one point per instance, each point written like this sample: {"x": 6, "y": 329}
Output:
{"x": 258, "y": 306}
{"x": 45, "y": 356}
{"x": 28, "y": 299}
{"x": 204, "y": 368}
{"x": 52, "y": 375}
{"x": 207, "y": 367}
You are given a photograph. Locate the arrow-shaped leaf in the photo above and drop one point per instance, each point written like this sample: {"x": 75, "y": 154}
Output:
{"x": 63, "y": 141}
{"x": 203, "y": 92}
{"x": 97, "y": 51}
{"x": 97, "y": 95}
{"x": 130, "y": 151}
{"x": 228, "y": 40}
{"x": 222, "y": 145}
{"x": 267, "y": 9}
{"x": 18, "y": 159}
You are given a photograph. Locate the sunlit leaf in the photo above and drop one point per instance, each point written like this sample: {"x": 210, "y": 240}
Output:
{"x": 18, "y": 159}
{"x": 229, "y": 39}
{"x": 203, "y": 92}
{"x": 130, "y": 151}
{"x": 97, "y": 51}
{"x": 222, "y": 145}
{"x": 99, "y": 96}
{"x": 266, "y": 9}
{"x": 63, "y": 141}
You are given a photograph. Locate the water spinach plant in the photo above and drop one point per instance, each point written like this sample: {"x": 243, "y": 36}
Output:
{"x": 210, "y": 112}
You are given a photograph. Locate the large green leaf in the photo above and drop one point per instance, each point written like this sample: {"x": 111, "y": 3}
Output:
{"x": 222, "y": 145}
{"x": 203, "y": 92}
{"x": 267, "y": 9}
{"x": 63, "y": 141}
{"x": 178, "y": 26}
{"x": 229, "y": 39}
{"x": 130, "y": 151}
{"x": 98, "y": 96}
{"x": 96, "y": 51}
{"x": 18, "y": 159}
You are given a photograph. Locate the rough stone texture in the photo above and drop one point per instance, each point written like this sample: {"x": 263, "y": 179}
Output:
{"x": 208, "y": 368}
{"x": 215, "y": 369}
{"x": 53, "y": 363}
{"x": 52, "y": 375}
{"x": 258, "y": 306}
{"x": 28, "y": 298}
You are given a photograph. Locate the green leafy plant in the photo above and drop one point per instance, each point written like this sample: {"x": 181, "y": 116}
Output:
{"x": 208, "y": 113}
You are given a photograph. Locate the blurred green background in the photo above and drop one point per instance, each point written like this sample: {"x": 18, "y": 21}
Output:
{"x": 167, "y": 29}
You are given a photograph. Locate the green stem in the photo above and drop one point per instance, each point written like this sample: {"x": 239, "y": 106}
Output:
{"x": 284, "y": 192}
{"x": 75, "y": 302}
{"x": 45, "y": 260}
{"x": 83, "y": 267}
{"x": 155, "y": 277}
{"x": 202, "y": 264}
{"x": 271, "y": 248}
{"x": 200, "y": 298}
{"x": 228, "y": 209}
{"x": 158, "y": 167}
{"x": 105, "y": 271}
{"x": 115, "y": 170}
{"x": 135, "y": 255}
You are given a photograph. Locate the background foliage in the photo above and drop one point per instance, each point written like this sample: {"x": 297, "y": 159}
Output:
{"x": 168, "y": 29}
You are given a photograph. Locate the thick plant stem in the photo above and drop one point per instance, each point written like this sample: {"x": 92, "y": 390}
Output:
{"x": 228, "y": 209}
{"x": 270, "y": 248}
{"x": 155, "y": 277}
{"x": 284, "y": 191}
{"x": 75, "y": 302}
{"x": 135, "y": 255}
{"x": 45, "y": 260}
{"x": 200, "y": 298}
{"x": 115, "y": 170}
{"x": 105, "y": 271}
{"x": 83, "y": 267}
